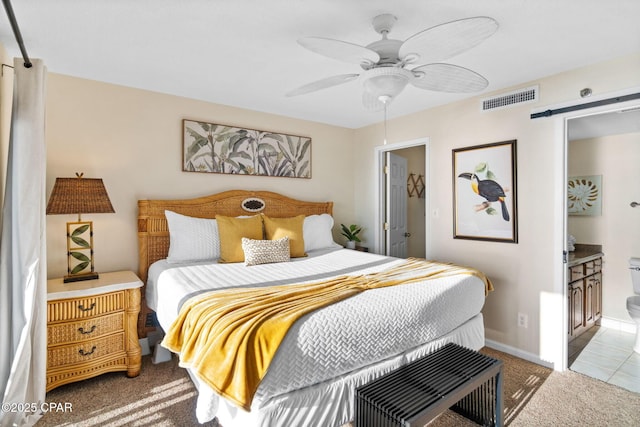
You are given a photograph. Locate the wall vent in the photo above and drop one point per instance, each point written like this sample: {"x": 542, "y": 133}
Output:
{"x": 529, "y": 94}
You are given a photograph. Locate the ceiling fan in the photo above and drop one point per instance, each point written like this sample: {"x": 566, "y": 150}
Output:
{"x": 386, "y": 62}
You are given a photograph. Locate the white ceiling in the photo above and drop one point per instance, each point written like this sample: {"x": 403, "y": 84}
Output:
{"x": 244, "y": 52}
{"x": 612, "y": 123}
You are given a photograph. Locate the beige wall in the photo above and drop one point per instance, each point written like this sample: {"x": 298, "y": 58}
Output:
{"x": 528, "y": 275}
{"x": 617, "y": 159}
{"x": 132, "y": 139}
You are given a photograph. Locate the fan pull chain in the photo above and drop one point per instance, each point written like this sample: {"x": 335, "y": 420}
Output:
{"x": 385, "y": 123}
{"x": 385, "y": 99}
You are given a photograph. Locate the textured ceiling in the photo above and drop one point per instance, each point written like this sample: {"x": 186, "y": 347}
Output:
{"x": 244, "y": 53}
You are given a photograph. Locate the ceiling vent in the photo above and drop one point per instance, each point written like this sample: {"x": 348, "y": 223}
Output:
{"x": 519, "y": 96}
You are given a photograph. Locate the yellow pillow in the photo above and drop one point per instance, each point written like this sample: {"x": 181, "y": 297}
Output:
{"x": 232, "y": 230}
{"x": 277, "y": 228}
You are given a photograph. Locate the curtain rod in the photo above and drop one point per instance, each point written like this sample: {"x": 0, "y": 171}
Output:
{"x": 16, "y": 32}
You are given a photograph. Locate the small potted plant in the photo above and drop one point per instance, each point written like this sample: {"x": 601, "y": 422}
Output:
{"x": 351, "y": 233}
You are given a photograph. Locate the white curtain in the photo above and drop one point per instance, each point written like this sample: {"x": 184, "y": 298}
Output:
{"x": 23, "y": 284}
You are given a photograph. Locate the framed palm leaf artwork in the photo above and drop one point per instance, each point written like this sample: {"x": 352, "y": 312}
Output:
{"x": 218, "y": 148}
{"x": 485, "y": 196}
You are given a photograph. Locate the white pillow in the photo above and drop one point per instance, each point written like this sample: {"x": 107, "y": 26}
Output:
{"x": 316, "y": 231}
{"x": 265, "y": 251}
{"x": 192, "y": 239}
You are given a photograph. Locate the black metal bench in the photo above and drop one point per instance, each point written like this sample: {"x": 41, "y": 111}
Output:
{"x": 453, "y": 377}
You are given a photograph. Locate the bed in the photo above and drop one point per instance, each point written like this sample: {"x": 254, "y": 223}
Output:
{"x": 326, "y": 353}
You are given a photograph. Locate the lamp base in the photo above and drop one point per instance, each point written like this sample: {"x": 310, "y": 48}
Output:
{"x": 79, "y": 277}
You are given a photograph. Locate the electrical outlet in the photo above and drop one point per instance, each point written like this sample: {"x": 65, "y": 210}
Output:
{"x": 523, "y": 320}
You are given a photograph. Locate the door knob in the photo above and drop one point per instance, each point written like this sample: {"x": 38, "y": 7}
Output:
{"x": 407, "y": 234}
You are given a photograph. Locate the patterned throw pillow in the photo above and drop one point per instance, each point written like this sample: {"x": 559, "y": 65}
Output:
{"x": 265, "y": 251}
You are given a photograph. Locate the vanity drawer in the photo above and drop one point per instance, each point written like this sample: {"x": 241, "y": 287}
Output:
{"x": 576, "y": 272}
{"x": 593, "y": 267}
{"x": 84, "y": 330}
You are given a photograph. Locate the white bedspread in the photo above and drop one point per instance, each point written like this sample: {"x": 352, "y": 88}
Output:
{"x": 344, "y": 337}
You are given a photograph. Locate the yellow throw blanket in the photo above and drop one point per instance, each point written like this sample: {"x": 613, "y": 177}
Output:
{"x": 229, "y": 337}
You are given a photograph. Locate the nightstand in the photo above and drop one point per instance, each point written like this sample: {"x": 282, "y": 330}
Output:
{"x": 92, "y": 327}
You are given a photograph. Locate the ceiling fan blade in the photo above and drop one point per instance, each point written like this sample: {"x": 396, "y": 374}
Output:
{"x": 446, "y": 40}
{"x": 322, "y": 84}
{"x": 343, "y": 51}
{"x": 448, "y": 78}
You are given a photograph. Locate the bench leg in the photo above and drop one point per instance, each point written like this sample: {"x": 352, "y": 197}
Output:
{"x": 499, "y": 401}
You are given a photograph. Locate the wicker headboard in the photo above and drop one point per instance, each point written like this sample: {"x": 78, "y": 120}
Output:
{"x": 153, "y": 232}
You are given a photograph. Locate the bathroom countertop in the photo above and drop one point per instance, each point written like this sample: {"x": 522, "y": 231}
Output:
{"x": 584, "y": 253}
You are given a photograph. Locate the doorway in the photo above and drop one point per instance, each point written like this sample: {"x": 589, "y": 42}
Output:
{"x": 601, "y": 152}
{"x": 416, "y": 153}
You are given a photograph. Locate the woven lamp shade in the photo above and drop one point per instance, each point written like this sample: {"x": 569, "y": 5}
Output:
{"x": 79, "y": 195}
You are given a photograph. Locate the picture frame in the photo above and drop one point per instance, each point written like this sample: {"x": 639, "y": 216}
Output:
{"x": 584, "y": 195}
{"x": 218, "y": 148}
{"x": 485, "y": 192}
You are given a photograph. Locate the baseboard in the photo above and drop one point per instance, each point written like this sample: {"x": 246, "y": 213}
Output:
{"x": 605, "y": 322}
{"x": 617, "y": 324}
{"x": 518, "y": 353}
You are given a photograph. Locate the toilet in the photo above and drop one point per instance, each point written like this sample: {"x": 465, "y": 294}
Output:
{"x": 633, "y": 303}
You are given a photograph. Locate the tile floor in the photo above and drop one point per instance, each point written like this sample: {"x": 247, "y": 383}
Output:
{"x": 607, "y": 354}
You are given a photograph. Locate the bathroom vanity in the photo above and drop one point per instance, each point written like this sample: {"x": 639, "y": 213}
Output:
{"x": 585, "y": 288}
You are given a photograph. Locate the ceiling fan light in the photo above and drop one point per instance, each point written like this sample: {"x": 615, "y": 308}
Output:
{"x": 386, "y": 82}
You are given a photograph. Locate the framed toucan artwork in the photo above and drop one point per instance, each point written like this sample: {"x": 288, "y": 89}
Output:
{"x": 485, "y": 193}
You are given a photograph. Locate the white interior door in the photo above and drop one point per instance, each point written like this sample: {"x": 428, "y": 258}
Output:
{"x": 396, "y": 233}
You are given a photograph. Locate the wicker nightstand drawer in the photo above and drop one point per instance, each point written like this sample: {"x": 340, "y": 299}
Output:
{"x": 91, "y": 327}
{"x": 87, "y": 351}
{"x": 81, "y": 308}
{"x": 84, "y": 330}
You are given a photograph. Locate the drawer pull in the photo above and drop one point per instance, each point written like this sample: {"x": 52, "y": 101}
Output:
{"x": 81, "y": 307}
{"x": 83, "y": 353}
{"x": 82, "y": 331}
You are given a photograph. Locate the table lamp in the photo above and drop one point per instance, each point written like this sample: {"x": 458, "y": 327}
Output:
{"x": 77, "y": 196}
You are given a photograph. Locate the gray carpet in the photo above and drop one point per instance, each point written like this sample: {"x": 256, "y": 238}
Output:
{"x": 163, "y": 396}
